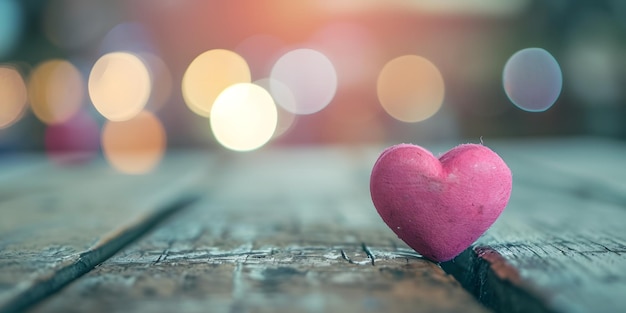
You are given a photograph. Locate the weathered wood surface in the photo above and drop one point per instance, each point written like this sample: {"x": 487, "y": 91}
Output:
{"x": 291, "y": 230}
{"x": 560, "y": 246}
{"x": 281, "y": 231}
{"x": 586, "y": 167}
{"x": 59, "y": 222}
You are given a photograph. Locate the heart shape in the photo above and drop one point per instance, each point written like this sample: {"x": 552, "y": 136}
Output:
{"x": 439, "y": 207}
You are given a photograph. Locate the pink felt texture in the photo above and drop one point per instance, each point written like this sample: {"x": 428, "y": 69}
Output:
{"x": 439, "y": 207}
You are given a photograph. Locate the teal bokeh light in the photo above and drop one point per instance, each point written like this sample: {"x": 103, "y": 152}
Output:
{"x": 11, "y": 22}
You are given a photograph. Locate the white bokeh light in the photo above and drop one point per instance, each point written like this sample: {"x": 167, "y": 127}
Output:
{"x": 309, "y": 75}
{"x": 243, "y": 117}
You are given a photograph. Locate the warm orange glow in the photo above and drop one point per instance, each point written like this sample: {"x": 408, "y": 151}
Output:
{"x": 13, "y": 96}
{"x": 208, "y": 75}
{"x": 260, "y": 52}
{"x": 134, "y": 146}
{"x": 56, "y": 91}
{"x": 410, "y": 88}
{"x": 119, "y": 85}
{"x": 352, "y": 49}
{"x": 434, "y": 7}
{"x": 243, "y": 117}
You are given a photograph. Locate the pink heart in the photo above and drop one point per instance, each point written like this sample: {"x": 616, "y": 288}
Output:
{"x": 439, "y": 207}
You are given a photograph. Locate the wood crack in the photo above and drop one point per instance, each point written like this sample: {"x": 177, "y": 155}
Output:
{"x": 493, "y": 281}
{"x": 369, "y": 253}
{"x": 38, "y": 290}
{"x": 162, "y": 256}
{"x": 346, "y": 257}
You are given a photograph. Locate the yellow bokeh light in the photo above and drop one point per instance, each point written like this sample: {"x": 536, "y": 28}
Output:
{"x": 56, "y": 91}
{"x": 13, "y": 96}
{"x": 134, "y": 146}
{"x": 410, "y": 88}
{"x": 243, "y": 117}
{"x": 119, "y": 85}
{"x": 208, "y": 75}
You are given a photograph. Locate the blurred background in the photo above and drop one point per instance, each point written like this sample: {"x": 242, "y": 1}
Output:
{"x": 139, "y": 77}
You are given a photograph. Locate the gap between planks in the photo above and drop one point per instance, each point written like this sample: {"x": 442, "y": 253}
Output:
{"x": 84, "y": 262}
{"x": 495, "y": 283}
{"x": 482, "y": 271}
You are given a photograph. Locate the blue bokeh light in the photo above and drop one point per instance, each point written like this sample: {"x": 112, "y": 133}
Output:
{"x": 532, "y": 79}
{"x": 11, "y": 22}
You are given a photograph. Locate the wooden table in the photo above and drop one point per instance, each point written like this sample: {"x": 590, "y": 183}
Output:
{"x": 294, "y": 230}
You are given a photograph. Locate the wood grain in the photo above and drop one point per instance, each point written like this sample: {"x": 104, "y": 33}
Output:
{"x": 59, "y": 222}
{"x": 560, "y": 245}
{"x": 581, "y": 167}
{"x": 294, "y": 230}
{"x": 282, "y": 231}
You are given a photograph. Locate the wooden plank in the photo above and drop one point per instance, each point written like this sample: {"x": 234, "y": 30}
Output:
{"x": 58, "y": 223}
{"x": 560, "y": 244}
{"x": 282, "y": 231}
{"x": 584, "y": 167}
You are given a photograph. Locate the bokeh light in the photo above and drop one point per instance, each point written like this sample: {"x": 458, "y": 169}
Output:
{"x": 532, "y": 79}
{"x": 13, "y": 96}
{"x": 243, "y": 117}
{"x": 74, "y": 141}
{"x": 135, "y": 37}
{"x": 410, "y": 88}
{"x": 208, "y": 75}
{"x": 309, "y": 75}
{"x": 56, "y": 91}
{"x": 119, "y": 85}
{"x": 134, "y": 146}
{"x": 11, "y": 23}
{"x": 286, "y": 119}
